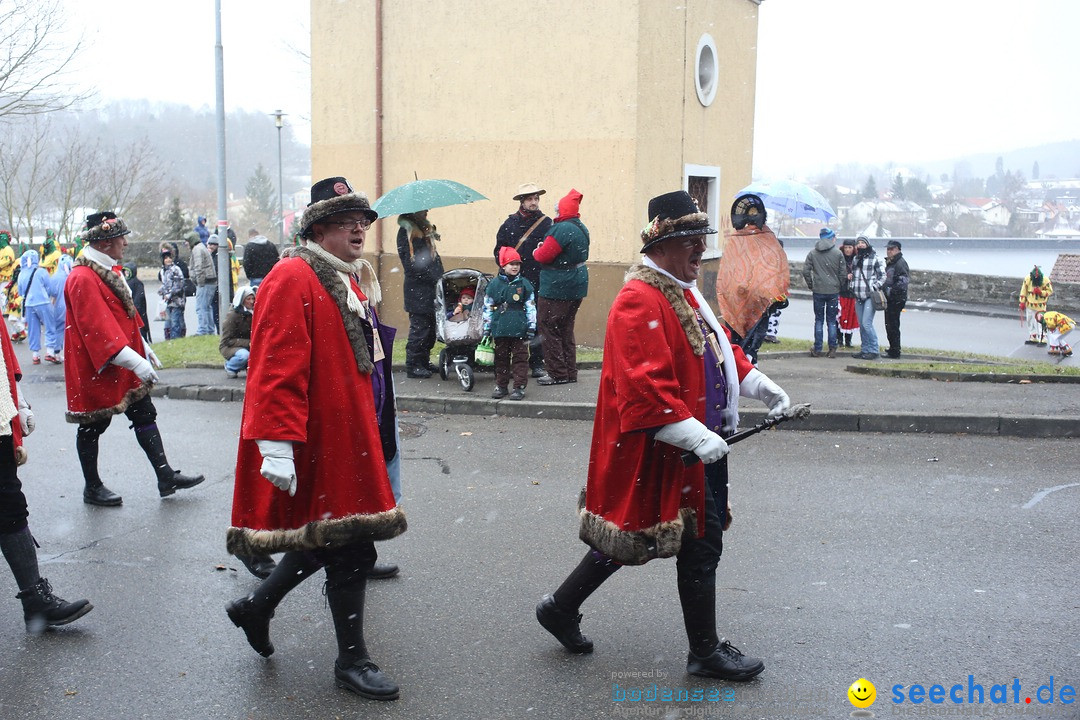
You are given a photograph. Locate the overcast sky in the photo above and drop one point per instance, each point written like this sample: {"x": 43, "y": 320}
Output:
{"x": 838, "y": 80}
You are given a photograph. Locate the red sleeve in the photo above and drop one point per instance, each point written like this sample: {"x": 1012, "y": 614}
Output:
{"x": 547, "y": 251}
{"x": 102, "y": 336}
{"x": 280, "y": 364}
{"x": 648, "y": 381}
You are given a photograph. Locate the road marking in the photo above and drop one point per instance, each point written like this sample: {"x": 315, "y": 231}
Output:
{"x": 1043, "y": 493}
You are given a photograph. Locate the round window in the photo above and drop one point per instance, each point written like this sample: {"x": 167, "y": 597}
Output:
{"x": 705, "y": 70}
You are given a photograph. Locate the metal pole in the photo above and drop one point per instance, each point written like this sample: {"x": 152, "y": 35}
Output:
{"x": 224, "y": 271}
{"x": 281, "y": 203}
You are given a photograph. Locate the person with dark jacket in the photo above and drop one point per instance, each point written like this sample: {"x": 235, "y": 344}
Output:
{"x": 138, "y": 296}
{"x": 848, "y": 320}
{"x": 510, "y": 319}
{"x": 564, "y": 283}
{"x": 897, "y": 277}
{"x": 259, "y": 256}
{"x": 523, "y": 231}
{"x": 824, "y": 272}
{"x": 423, "y": 268}
{"x": 235, "y": 343}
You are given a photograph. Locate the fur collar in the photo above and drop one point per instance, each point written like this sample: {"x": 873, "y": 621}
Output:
{"x": 330, "y": 280}
{"x": 674, "y": 295}
{"x": 114, "y": 282}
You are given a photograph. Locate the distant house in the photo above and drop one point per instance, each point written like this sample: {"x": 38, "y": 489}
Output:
{"x": 987, "y": 210}
{"x": 902, "y": 218}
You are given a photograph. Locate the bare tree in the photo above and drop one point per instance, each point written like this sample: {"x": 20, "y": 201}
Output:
{"x": 73, "y": 173}
{"x": 131, "y": 182}
{"x": 34, "y": 58}
{"x": 24, "y": 176}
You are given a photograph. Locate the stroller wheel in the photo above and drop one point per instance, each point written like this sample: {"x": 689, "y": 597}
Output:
{"x": 465, "y": 375}
{"x": 444, "y": 364}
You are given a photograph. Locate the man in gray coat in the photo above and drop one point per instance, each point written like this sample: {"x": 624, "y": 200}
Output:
{"x": 824, "y": 272}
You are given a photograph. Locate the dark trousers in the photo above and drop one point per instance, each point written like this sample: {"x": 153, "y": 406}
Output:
{"x": 555, "y": 319}
{"x": 511, "y": 358}
{"x": 421, "y": 339}
{"x": 892, "y": 325}
{"x": 536, "y": 353}
{"x": 13, "y": 512}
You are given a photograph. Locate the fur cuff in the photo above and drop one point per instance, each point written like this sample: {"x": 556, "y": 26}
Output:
{"x": 337, "y": 532}
{"x": 114, "y": 282}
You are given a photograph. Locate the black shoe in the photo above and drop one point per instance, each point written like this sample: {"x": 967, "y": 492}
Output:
{"x": 537, "y": 372}
{"x": 858, "y": 355}
{"x": 366, "y": 680}
{"x": 381, "y": 571}
{"x": 432, "y": 368}
{"x": 418, "y": 372}
{"x": 565, "y": 627}
{"x": 42, "y": 609}
{"x": 258, "y": 565}
{"x": 256, "y": 625}
{"x": 893, "y": 354}
{"x": 725, "y": 663}
{"x": 518, "y": 394}
{"x": 101, "y": 495}
{"x": 178, "y": 481}
{"x": 499, "y": 392}
{"x": 548, "y": 380}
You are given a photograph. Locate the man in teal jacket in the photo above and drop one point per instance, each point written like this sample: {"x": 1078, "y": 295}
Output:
{"x": 564, "y": 282}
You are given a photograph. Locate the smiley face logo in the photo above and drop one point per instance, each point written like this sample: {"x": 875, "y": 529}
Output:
{"x": 862, "y": 693}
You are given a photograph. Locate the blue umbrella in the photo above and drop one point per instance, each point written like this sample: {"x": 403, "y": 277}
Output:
{"x": 792, "y": 198}
{"x": 424, "y": 195}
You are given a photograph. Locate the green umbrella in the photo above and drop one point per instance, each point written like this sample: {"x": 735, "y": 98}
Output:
{"x": 424, "y": 195}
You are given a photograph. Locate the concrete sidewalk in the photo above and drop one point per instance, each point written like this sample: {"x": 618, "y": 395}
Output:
{"x": 841, "y": 400}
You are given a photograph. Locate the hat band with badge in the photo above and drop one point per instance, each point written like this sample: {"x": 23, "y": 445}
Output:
{"x": 104, "y": 226}
{"x": 333, "y": 196}
{"x": 674, "y": 214}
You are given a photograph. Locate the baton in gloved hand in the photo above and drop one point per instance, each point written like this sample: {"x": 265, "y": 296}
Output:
{"x": 795, "y": 411}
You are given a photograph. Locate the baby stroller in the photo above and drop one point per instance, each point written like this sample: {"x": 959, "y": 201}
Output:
{"x": 460, "y": 335}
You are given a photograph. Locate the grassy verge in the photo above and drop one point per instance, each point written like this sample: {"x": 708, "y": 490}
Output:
{"x": 202, "y": 351}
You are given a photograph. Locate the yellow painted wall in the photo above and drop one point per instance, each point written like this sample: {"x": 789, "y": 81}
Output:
{"x": 598, "y": 96}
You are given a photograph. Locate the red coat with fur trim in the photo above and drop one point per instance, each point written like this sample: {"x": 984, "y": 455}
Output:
{"x": 14, "y": 374}
{"x": 305, "y": 385}
{"x": 101, "y": 321}
{"x": 640, "y": 495}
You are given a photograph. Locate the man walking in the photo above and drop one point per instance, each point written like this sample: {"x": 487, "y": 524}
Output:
{"x": 318, "y": 425}
{"x": 523, "y": 231}
{"x": 897, "y": 277}
{"x": 204, "y": 273}
{"x": 108, "y": 369}
{"x": 669, "y": 386}
{"x": 824, "y": 272}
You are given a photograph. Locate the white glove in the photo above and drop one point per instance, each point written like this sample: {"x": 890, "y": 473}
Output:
{"x": 691, "y": 434}
{"x": 153, "y": 358}
{"x": 277, "y": 464}
{"x": 757, "y": 385}
{"x": 26, "y": 415}
{"x": 136, "y": 363}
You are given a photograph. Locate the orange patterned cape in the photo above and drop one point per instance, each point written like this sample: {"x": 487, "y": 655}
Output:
{"x": 753, "y": 272}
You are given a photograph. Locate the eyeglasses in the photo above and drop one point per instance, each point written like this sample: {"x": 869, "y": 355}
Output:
{"x": 353, "y": 226}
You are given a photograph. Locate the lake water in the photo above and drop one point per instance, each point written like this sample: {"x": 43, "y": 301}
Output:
{"x": 997, "y": 260}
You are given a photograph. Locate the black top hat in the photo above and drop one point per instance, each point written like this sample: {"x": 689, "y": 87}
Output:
{"x": 103, "y": 226}
{"x": 747, "y": 210}
{"x": 331, "y": 197}
{"x": 674, "y": 214}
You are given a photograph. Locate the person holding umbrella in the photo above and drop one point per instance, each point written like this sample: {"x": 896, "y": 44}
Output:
{"x": 423, "y": 267}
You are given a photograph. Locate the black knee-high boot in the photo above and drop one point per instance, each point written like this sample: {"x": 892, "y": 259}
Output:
{"x": 41, "y": 608}
{"x": 558, "y": 613}
{"x": 169, "y": 480}
{"x": 709, "y": 657}
{"x": 252, "y": 613}
{"x": 86, "y": 444}
{"x": 346, "y": 586}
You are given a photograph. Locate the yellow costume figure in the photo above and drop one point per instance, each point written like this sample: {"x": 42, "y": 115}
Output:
{"x": 1034, "y": 293}
{"x": 50, "y": 252}
{"x": 12, "y": 305}
{"x": 1057, "y": 325}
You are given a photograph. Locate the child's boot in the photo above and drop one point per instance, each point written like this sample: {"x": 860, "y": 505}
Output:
{"x": 499, "y": 392}
{"x": 518, "y": 394}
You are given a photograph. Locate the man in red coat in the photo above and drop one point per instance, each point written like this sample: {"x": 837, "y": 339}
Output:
{"x": 311, "y": 477}
{"x": 670, "y": 383}
{"x": 108, "y": 369}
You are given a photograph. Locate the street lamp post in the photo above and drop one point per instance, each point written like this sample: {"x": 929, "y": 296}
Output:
{"x": 278, "y": 115}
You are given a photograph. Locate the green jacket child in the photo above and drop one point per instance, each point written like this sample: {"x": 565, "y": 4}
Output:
{"x": 510, "y": 301}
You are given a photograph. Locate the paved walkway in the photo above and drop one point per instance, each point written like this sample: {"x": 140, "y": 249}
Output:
{"x": 840, "y": 399}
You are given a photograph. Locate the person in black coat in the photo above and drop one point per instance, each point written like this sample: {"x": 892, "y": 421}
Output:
{"x": 523, "y": 231}
{"x": 897, "y": 277}
{"x": 138, "y": 295}
{"x": 423, "y": 268}
{"x": 259, "y": 256}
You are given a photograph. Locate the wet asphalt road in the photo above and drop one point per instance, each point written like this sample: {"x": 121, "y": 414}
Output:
{"x": 899, "y": 558}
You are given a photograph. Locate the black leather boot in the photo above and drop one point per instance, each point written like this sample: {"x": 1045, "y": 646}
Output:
{"x": 254, "y": 621}
{"x": 178, "y": 481}
{"x": 709, "y": 656}
{"x": 366, "y": 680}
{"x": 86, "y": 445}
{"x": 565, "y": 626}
{"x": 42, "y": 609}
{"x": 101, "y": 495}
{"x": 169, "y": 480}
{"x": 353, "y": 670}
{"x": 252, "y": 614}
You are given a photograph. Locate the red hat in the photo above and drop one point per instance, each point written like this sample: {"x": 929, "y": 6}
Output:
{"x": 470, "y": 291}
{"x": 507, "y": 255}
